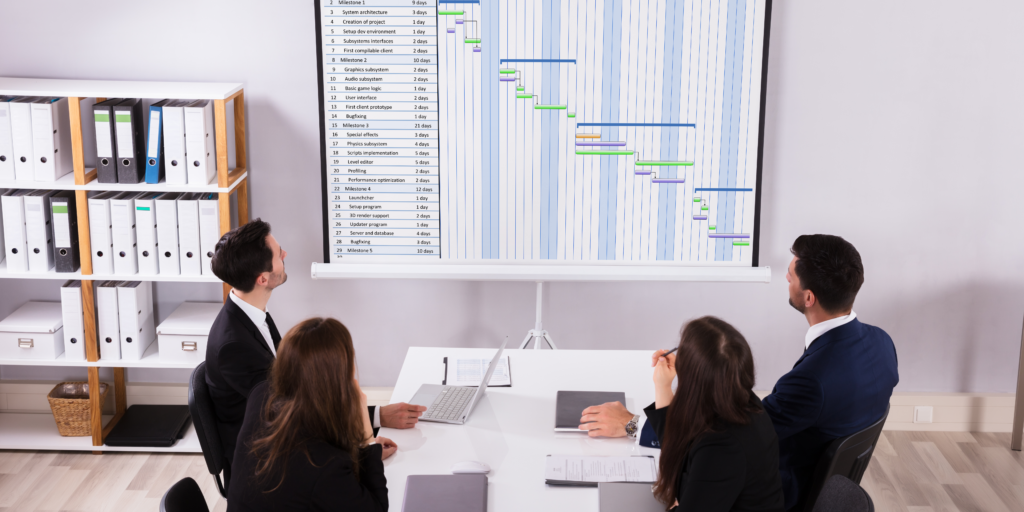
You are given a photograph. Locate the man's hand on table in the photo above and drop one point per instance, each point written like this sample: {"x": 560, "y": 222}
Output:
{"x": 606, "y": 420}
{"x": 400, "y": 415}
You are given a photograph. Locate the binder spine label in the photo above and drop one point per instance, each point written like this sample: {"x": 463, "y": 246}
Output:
{"x": 61, "y": 226}
{"x": 104, "y": 148}
{"x": 154, "y": 134}
{"x": 123, "y": 125}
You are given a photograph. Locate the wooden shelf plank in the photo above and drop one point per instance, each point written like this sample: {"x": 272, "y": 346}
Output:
{"x": 39, "y": 432}
{"x": 118, "y": 89}
{"x": 67, "y": 182}
{"x": 151, "y": 359}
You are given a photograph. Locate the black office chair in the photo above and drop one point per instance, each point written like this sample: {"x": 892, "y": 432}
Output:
{"x": 847, "y": 456}
{"x": 205, "y": 421}
{"x": 840, "y": 494}
{"x": 184, "y": 496}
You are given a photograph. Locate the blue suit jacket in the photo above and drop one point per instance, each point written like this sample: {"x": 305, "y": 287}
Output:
{"x": 841, "y": 385}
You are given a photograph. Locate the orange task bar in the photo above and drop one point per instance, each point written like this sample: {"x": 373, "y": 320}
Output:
{"x": 587, "y": 136}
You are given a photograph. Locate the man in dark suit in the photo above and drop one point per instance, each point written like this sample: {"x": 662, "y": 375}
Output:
{"x": 843, "y": 381}
{"x": 243, "y": 340}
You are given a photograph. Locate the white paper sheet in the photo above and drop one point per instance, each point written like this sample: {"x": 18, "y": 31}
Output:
{"x": 469, "y": 372}
{"x": 575, "y": 468}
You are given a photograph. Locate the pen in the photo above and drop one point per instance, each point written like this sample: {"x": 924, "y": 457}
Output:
{"x": 669, "y": 352}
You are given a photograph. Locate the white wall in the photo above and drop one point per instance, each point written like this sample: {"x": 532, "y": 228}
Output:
{"x": 894, "y": 124}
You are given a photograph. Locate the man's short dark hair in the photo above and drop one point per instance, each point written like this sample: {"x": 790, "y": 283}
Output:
{"x": 831, "y": 268}
{"x": 242, "y": 255}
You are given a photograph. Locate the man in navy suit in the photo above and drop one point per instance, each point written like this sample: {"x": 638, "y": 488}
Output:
{"x": 843, "y": 381}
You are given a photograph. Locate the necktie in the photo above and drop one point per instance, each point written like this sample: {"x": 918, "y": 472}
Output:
{"x": 273, "y": 331}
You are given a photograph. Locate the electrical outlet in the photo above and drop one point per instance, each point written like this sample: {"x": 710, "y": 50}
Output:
{"x": 923, "y": 414}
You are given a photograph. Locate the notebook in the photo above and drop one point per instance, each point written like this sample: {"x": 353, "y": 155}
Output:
{"x": 627, "y": 497}
{"x": 150, "y": 425}
{"x": 445, "y": 493}
{"x": 569, "y": 406}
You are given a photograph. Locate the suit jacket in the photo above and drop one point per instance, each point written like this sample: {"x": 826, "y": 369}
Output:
{"x": 841, "y": 385}
{"x": 327, "y": 482}
{"x": 735, "y": 468}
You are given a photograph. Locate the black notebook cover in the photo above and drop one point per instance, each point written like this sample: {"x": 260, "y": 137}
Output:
{"x": 150, "y": 425}
{"x": 569, "y": 405}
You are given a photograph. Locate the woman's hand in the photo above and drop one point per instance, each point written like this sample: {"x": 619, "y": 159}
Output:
{"x": 389, "y": 447}
{"x": 367, "y": 424}
{"x": 664, "y": 373}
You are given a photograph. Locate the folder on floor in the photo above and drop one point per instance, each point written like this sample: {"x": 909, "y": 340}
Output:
{"x": 199, "y": 143}
{"x": 106, "y": 163}
{"x": 209, "y": 229}
{"x": 122, "y": 228}
{"x": 107, "y": 321}
{"x": 21, "y": 137}
{"x": 51, "y": 139}
{"x": 167, "y": 233}
{"x": 129, "y": 140}
{"x": 6, "y": 143}
{"x": 175, "y": 162}
{"x": 101, "y": 240}
{"x": 12, "y": 206}
{"x": 154, "y": 162}
{"x": 145, "y": 233}
{"x": 135, "y": 318}
{"x": 74, "y": 320}
{"x": 188, "y": 235}
{"x": 64, "y": 220}
{"x": 38, "y": 232}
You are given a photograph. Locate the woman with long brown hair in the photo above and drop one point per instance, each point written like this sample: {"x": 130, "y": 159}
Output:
{"x": 719, "y": 451}
{"x": 307, "y": 442}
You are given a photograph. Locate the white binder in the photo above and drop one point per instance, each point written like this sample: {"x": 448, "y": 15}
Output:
{"x": 3, "y": 245}
{"x": 21, "y": 137}
{"x": 51, "y": 139}
{"x": 135, "y": 318}
{"x": 74, "y": 321}
{"x": 145, "y": 234}
{"x": 101, "y": 240}
{"x": 209, "y": 229}
{"x": 122, "y": 228}
{"x": 175, "y": 160}
{"x": 38, "y": 231}
{"x": 6, "y": 143}
{"x": 107, "y": 321}
{"x": 167, "y": 233}
{"x": 12, "y": 205}
{"x": 188, "y": 235}
{"x": 199, "y": 143}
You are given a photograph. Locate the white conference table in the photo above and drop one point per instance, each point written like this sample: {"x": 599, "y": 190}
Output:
{"x": 512, "y": 428}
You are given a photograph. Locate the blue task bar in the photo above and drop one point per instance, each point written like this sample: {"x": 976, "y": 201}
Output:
{"x": 502, "y": 61}
{"x": 723, "y": 190}
{"x": 684, "y": 125}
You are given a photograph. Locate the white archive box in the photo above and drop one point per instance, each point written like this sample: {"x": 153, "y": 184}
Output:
{"x": 33, "y": 331}
{"x": 182, "y": 336}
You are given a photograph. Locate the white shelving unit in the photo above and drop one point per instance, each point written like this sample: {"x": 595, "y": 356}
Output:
{"x": 28, "y": 431}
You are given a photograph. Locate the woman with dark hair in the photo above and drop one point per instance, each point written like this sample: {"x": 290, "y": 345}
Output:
{"x": 307, "y": 441}
{"x": 719, "y": 451}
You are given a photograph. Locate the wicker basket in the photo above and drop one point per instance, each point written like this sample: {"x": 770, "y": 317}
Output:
{"x": 69, "y": 402}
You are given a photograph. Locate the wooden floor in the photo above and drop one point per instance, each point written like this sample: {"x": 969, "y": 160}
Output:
{"x": 910, "y": 471}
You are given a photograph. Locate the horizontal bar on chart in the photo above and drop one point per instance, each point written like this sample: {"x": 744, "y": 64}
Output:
{"x": 601, "y": 143}
{"x": 741, "y": 244}
{"x": 520, "y": 88}
{"x": 507, "y": 71}
{"x": 472, "y": 41}
{"x": 626, "y": 153}
{"x": 684, "y": 125}
{"x": 723, "y": 190}
{"x": 451, "y": 31}
{"x": 712, "y": 228}
{"x": 667, "y": 180}
{"x": 477, "y": 49}
{"x": 648, "y": 162}
{"x": 642, "y": 173}
{"x": 524, "y": 95}
{"x": 587, "y": 136}
{"x": 728, "y": 235}
{"x": 551, "y": 107}
{"x": 502, "y": 61}
{"x": 506, "y": 79}
{"x": 703, "y": 208}
{"x": 696, "y": 199}
{"x": 450, "y": 13}
{"x": 700, "y": 217}
{"x": 570, "y": 114}
{"x": 458, "y": 22}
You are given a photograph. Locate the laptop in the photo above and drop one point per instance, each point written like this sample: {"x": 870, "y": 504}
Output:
{"x": 452, "y": 404}
{"x": 627, "y": 497}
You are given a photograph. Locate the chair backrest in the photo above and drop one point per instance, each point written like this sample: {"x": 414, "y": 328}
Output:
{"x": 840, "y": 494}
{"x": 847, "y": 456}
{"x": 184, "y": 496}
{"x": 201, "y": 406}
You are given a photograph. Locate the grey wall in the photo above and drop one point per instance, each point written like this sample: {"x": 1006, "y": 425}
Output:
{"x": 894, "y": 124}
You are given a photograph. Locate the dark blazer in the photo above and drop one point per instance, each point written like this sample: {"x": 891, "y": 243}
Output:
{"x": 841, "y": 385}
{"x": 735, "y": 468}
{"x": 328, "y": 482}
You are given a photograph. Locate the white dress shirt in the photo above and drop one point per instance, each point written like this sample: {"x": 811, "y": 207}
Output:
{"x": 821, "y": 328}
{"x": 259, "y": 317}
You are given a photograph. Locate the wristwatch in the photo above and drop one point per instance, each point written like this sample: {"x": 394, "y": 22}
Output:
{"x": 631, "y": 426}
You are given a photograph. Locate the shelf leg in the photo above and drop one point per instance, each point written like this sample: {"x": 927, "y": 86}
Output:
{"x": 242, "y": 196}
{"x": 224, "y": 202}
{"x": 221, "y": 138}
{"x": 92, "y": 352}
{"x": 95, "y": 406}
{"x": 120, "y": 392}
{"x": 239, "y": 103}
{"x": 84, "y": 243}
{"x": 77, "y": 153}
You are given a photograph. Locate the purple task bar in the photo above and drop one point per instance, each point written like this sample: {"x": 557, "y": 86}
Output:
{"x": 700, "y": 217}
{"x": 642, "y": 173}
{"x": 500, "y": 79}
{"x": 451, "y": 31}
{"x": 599, "y": 143}
{"x": 727, "y": 235}
{"x": 458, "y": 22}
{"x": 476, "y": 50}
{"x": 663, "y": 180}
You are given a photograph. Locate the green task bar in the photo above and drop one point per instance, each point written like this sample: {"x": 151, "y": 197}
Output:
{"x": 551, "y": 107}
{"x": 696, "y": 199}
{"x": 524, "y": 95}
{"x": 741, "y": 243}
{"x": 642, "y": 162}
{"x": 703, "y": 208}
{"x": 507, "y": 71}
{"x": 570, "y": 114}
{"x": 60, "y": 208}
{"x": 472, "y": 41}
{"x": 450, "y": 13}
{"x": 711, "y": 228}
{"x": 604, "y": 152}
{"x": 520, "y": 88}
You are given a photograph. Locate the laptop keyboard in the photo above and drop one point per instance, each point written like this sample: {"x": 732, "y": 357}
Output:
{"x": 450, "y": 403}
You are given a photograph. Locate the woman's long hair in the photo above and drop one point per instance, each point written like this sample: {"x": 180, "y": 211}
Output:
{"x": 312, "y": 395}
{"x": 715, "y": 373}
